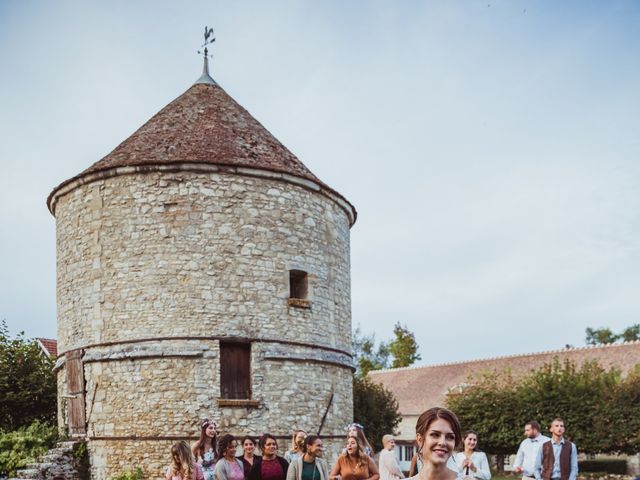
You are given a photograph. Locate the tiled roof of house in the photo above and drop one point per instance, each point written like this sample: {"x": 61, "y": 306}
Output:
{"x": 419, "y": 388}
{"x": 49, "y": 346}
{"x": 204, "y": 125}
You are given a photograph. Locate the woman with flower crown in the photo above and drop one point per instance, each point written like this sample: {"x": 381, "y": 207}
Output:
{"x": 204, "y": 450}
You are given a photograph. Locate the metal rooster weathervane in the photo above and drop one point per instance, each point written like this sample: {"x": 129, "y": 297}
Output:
{"x": 208, "y": 40}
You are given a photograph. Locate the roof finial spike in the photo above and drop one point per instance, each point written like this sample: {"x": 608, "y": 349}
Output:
{"x": 208, "y": 39}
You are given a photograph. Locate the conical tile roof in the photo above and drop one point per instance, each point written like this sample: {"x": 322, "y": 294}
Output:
{"x": 204, "y": 125}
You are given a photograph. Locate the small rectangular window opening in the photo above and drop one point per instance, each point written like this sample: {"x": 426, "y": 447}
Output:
{"x": 298, "y": 284}
{"x": 235, "y": 370}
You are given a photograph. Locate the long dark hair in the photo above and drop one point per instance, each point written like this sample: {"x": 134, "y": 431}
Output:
{"x": 198, "y": 447}
{"x": 224, "y": 443}
{"x": 471, "y": 432}
{"x": 362, "y": 438}
{"x": 251, "y": 439}
{"x": 362, "y": 459}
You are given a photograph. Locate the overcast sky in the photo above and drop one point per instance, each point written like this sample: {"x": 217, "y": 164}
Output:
{"x": 492, "y": 148}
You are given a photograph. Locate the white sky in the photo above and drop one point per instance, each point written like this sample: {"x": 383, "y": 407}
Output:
{"x": 490, "y": 147}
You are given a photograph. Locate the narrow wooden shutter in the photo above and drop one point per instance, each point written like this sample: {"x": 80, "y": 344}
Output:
{"x": 75, "y": 393}
{"x": 235, "y": 370}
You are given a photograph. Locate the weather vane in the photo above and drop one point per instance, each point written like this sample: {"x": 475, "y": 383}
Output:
{"x": 208, "y": 40}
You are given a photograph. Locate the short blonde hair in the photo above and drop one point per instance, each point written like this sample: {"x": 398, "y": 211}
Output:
{"x": 387, "y": 438}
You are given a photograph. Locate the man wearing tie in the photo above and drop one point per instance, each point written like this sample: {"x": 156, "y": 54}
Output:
{"x": 528, "y": 451}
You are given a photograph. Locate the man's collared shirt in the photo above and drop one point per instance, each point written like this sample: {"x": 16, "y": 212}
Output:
{"x": 527, "y": 454}
{"x": 555, "y": 473}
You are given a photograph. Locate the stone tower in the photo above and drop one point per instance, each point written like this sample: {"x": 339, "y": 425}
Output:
{"x": 202, "y": 271}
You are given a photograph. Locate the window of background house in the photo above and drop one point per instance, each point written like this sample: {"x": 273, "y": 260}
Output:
{"x": 235, "y": 370}
{"x": 298, "y": 284}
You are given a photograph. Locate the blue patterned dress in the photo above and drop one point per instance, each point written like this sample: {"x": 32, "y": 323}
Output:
{"x": 208, "y": 464}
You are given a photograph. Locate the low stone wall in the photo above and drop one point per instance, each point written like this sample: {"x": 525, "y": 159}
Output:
{"x": 67, "y": 461}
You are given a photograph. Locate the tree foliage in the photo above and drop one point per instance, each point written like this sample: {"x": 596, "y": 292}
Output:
{"x": 24, "y": 445}
{"x": 401, "y": 351}
{"x": 376, "y": 408}
{"x": 631, "y": 334}
{"x": 491, "y": 407}
{"x": 367, "y": 355}
{"x": 601, "y": 409}
{"x": 403, "y": 348}
{"x": 604, "y": 335}
{"x": 27, "y": 382}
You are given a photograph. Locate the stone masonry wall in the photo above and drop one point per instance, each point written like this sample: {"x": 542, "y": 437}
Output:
{"x": 167, "y": 254}
{"x": 169, "y": 396}
{"x": 201, "y": 255}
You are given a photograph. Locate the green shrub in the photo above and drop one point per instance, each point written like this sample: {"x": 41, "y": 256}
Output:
{"x": 615, "y": 465}
{"x": 81, "y": 454}
{"x": 135, "y": 474}
{"x": 25, "y": 445}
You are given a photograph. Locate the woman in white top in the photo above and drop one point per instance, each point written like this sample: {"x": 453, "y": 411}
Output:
{"x": 471, "y": 462}
{"x": 437, "y": 436}
{"x": 388, "y": 465}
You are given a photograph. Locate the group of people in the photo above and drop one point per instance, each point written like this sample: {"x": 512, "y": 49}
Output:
{"x": 213, "y": 458}
{"x": 438, "y": 436}
{"x": 542, "y": 458}
{"x": 538, "y": 458}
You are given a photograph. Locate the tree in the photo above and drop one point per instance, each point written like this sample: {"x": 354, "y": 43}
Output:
{"x": 366, "y": 355}
{"x": 631, "y": 334}
{"x": 623, "y": 412}
{"x": 490, "y": 405}
{"x": 604, "y": 336}
{"x": 376, "y": 408}
{"x": 580, "y": 395}
{"x": 600, "y": 336}
{"x": 27, "y": 382}
{"x": 403, "y": 347}
{"x": 599, "y": 407}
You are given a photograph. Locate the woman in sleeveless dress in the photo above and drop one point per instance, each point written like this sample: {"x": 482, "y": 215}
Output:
{"x": 204, "y": 450}
{"x": 437, "y": 436}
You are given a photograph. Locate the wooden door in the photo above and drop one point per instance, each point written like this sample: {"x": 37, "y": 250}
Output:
{"x": 75, "y": 393}
{"x": 235, "y": 370}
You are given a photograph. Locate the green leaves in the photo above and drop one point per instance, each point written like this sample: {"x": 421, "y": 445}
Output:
{"x": 403, "y": 349}
{"x": 376, "y": 408}
{"x": 601, "y": 409}
{"x": 24, "y": 445}
{"x": 27, "y": 382}
{"x": 604, "y": 336}
{"x": 135, "y": 474}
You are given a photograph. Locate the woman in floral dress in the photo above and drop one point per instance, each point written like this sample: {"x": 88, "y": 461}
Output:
{"x": 204, "y": 450}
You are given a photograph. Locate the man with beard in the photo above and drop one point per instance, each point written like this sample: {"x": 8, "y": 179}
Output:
{"x": 528, "y": 450}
